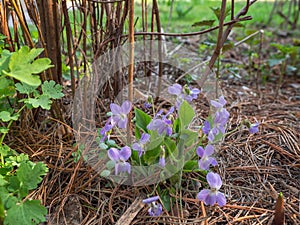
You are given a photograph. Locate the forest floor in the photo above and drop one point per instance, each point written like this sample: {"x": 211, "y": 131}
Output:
{"x": 254, "y": 168}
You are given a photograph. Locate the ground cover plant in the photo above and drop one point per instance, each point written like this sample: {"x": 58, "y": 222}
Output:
{"x": 19, "y": 174}
{"x": 250, "y": 169}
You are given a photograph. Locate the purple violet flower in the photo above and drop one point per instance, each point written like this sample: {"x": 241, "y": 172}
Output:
{"x": 161, "y": 124}
{"x": 120, "y": 157}
{"x": 254, "y": 128}
{"x": 183, "y": 93}
{"x": 206, "y": 127}
{"x": 175, "y": 89}
{"x": 220, "y": 103}
{"x": 147, "y": 105}
{"x": 119, "y": 113}
{"x": 162, "y": 161}
{"x": 205, "y": 155}
{"x": 212, "y": 196}
{"x": 105, "y": 131}
{"x": 192, "y": 94}
{"x": 155, "y": 208}
{"x": 220, "y": 119}
{"x": 140, "y": 146}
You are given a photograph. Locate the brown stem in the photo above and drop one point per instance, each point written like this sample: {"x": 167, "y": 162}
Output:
{"x": 160, "y": 65}
{"x": 131, "y": 64}
{"x": 242, "y": 12}
{"x": 69, "y": 45}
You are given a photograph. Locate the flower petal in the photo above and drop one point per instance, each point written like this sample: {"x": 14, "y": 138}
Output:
{"x": 200, "y": 151}
{"x": 115, "y": 109}
{"x": 214, "y": 162}
{"x": 203, "y": 194}
{"x": 206, "y": 127}
{"x": 254, "y": 128}
{"x": 168, "y": 131}
{"x": 157, "y": 210}
{"x": 216, "y": 104}
{"x": 204, "y": 163}
{"x": 195, "y": 91}
{"x": 117, "y": 169}
{"x": 209, "y": 150}
{"x": 144, "y": 138}
{"x": 122, "y": 123}
{"x": 125, "y": 153}
{"x": 222, "y": 100}
{"x": 211, "y": 199}
{"x": 162, "y": 161}
{"x": 126, "y": 107}
{"x": 150, "y": 200}
{"x": 114, "y": 154}
{"x": 221, "y": 200}
{"x": 124, "y": 167}
{"x": 137, "y": 147}
{"x": 175, "y": 89}
{"x": 214, "y": 180}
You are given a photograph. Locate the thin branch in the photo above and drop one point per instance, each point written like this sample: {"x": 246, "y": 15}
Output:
{"x": 131, "y": 64}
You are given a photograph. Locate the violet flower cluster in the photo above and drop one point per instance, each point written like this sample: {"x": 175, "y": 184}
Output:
{"x": 213, "y": 129}
{"x": 219, "y": 121}
{"x": 118, "y": 119}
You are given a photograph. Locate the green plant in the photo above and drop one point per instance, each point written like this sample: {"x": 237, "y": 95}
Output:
{"x": 286, "y": 57}
{"x": 19, "y": 175}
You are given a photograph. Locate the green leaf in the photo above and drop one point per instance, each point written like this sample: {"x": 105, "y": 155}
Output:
{"x": 2, "y": 212}
{"x": 14, "y": 185}
{"x": 217, "y": 11}
{"x": 26, "y": 213}
{"x": 6, "y": 87}
{"x": 105, "y": 173}
{"x": 191, "y": 166}
{"x": 166, "y": 200}
{"x": 4, "y": 60}
{"x": 8, "y": 199}
{"x": 31, "y": 175}
{"x": 22, "y": 65}
{"x": 4, "y": 150}
{"x": 152, "y": 155}
{"x": 204, "y": 23}
{"x": 52, "y": 89}
{"x": 171, "y": 145}
{"x": 110, "y": 165}
{"x": 274, "y": 62}
{"x": 189, "y": 137}
{"x": 16, "y": 160}
{"x": 24, "y": 88}
{"x": 26, "y": 55}
{"x": 186, "y": 114}
{"x": 3, "y": 182}
{"x": 4, "y": 130}
{"x": 142, "y": 119}
{"x": 155, "y": 140}
{"x": 42, "y": 101}
{"x": 5, "y": 116}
